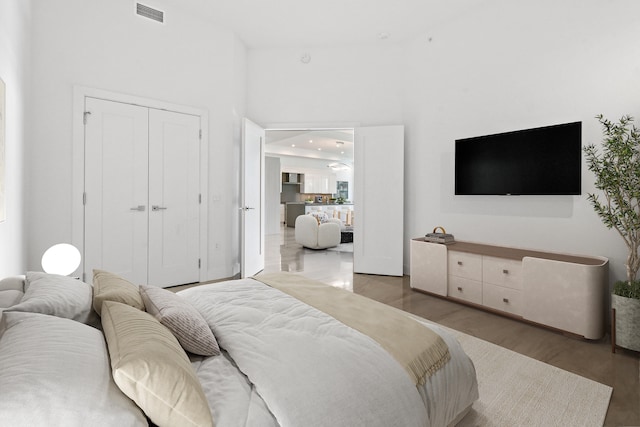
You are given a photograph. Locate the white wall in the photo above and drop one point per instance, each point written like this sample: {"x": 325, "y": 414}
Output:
{"x": 515, "y": 66}
{"x": 105, "y": 45}
{"x": 272, "y": 195}
{"x": 503, "y": 67}
{"x": 15, "y": 54}
{"x": 350, "y": 84}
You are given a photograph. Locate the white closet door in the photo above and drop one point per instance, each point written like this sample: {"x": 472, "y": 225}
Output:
{"x": 174, "y": 191}
{"x": 116, "y": 182}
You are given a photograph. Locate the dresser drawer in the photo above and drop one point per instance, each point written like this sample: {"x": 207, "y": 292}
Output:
{"x": 502, "y": 272}
{"x": 462, "y": 264}
{"x": 503, "y": 299}
{"x": 466, "y": 289}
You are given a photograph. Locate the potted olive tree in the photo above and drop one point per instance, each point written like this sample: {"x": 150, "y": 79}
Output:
{"x": 617, "y": 172}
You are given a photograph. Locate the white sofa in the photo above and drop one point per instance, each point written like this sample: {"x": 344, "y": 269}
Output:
{"x": 311, "y": 234}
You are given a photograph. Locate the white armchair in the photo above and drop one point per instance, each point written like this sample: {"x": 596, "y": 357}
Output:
{"x": 312, "y": 235}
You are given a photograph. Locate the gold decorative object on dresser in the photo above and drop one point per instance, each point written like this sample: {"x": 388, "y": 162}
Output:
{"x": 560, "y": 291}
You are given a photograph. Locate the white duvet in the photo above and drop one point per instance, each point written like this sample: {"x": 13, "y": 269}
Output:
{"x": 287, "y": 364}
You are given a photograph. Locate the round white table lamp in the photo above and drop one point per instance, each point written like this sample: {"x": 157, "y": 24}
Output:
{"x": 62, "y": 259}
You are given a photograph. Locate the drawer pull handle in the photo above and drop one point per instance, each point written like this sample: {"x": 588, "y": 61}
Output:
{"x": 505, "y": 271}
{"x": 459, "y": 262}
{"x": 505, "y": 300}
{"x": 459, "y": 289}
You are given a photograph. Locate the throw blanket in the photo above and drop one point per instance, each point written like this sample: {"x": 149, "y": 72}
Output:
{"x": 310, "y": 369}
{"x": 419, "y": 350}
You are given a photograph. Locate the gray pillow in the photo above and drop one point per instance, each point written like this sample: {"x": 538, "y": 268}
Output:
{"x": 182, "y": 319}
{"x": 12, "y": 282}
{"x": 56, "y": 372}
{"x": 10, "y": 297}
{"x": 57, "y": 295}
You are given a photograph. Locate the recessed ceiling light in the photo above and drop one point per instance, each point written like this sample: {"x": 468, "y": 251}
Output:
{"x": 342, "y": 152}
{"x": 319, "y": 149}
{"x": 293, "y": 145}
{"x": 310, "y": 141}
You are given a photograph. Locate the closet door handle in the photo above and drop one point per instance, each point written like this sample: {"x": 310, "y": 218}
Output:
{"x": 157, "y": 208}
{"x": 139, "y": 208}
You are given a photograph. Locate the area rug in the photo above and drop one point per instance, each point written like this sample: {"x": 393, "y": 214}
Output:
{"x": 516, "y": 390}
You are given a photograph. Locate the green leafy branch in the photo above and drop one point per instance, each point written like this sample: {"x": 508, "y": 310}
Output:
{"x": 617, "y": 172}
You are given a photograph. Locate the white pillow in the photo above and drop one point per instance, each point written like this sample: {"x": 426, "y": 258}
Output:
{"x": 56, "y": 372}
{"x": 57, "y": 295}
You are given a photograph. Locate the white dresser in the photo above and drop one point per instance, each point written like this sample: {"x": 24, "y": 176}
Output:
{"x": 561, "y": 291}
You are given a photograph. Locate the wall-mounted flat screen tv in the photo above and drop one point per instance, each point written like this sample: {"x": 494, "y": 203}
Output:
{"x": 540, "y": 161}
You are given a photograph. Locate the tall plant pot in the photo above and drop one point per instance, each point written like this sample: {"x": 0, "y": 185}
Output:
{"x": 627, "y": 322}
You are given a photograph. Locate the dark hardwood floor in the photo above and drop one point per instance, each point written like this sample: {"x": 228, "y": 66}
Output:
{"x": 589, "y": 359}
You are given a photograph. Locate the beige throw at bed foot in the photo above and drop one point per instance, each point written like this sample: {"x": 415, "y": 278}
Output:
{"x": 419, "y": 350}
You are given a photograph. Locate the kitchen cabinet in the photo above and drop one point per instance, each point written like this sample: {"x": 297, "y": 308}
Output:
{"x": 291, "y": 179}
{"x": 319, "y": 183}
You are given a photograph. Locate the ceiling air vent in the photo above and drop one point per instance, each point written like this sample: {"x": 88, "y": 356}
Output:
{"x": 149, "y": 12}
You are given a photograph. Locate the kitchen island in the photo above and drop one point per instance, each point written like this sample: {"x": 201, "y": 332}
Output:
{"x": 295, "y": 209}
{"x": 292, "y": 211}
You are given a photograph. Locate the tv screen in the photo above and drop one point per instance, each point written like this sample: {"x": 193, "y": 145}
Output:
{"x": 540, "y": 161}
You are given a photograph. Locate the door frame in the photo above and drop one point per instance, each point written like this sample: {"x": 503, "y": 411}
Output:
{"x": 359, "y": 200}
{"x": 78, "y": 169}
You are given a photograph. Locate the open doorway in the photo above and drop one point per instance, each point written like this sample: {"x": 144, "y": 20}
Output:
{"x": 308, "y": 170}
{"x": 377, "y": 192}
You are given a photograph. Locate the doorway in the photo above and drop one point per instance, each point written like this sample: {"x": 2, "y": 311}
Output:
{"x": 376, "y": 170}
{"x": 308, "y": 165}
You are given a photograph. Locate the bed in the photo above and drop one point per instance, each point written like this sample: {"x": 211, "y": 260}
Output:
{"x": 274, "y": 350}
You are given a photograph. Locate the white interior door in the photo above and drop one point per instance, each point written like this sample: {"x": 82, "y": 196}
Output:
{"x": 252, "y": 199}
{"x": 116, "y": 185}
{"x": 174, "y": 198}
{"x": 379, "y": 221}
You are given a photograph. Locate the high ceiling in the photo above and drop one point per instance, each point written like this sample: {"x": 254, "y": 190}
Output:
{"x": 330, "y": 144}
{"x": 307, "y": 23}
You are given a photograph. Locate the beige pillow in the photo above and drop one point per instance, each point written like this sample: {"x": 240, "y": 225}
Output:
{"x": 111, "y": 287}
{"x": 182, "y": 318}
{"x": 151, "y": 368}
